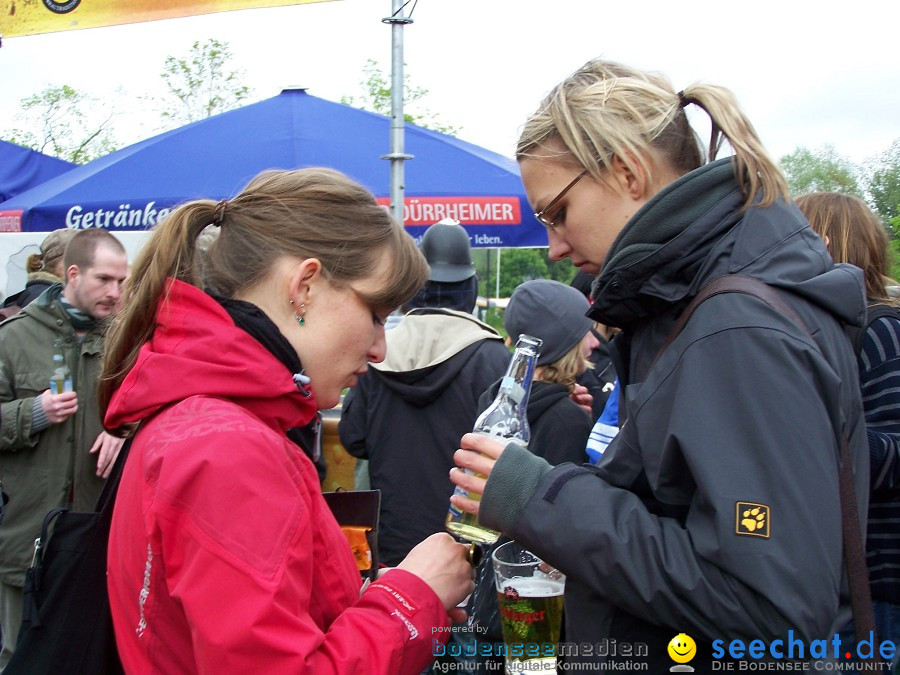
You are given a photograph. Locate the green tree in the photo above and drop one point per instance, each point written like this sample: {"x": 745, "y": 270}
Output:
{"x": 822, "y": 170}
{"x": 518, "y": 265}
{"x": 201, "y": 84}
{"x": 894, "y": 252}
{"x": 377, "y": 98}
{"x": 883, "y": 185}
{"x": 65, "y": 123}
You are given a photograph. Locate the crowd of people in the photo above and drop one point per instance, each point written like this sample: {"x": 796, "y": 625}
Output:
{"x": 742, "y": 415}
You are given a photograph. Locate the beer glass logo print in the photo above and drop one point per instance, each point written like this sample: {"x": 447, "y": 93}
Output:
{"x": 682, "y": 649}
{"x": 511, "y": 594}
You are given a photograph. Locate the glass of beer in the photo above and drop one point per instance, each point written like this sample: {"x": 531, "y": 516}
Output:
{"x": 530, "y": 600}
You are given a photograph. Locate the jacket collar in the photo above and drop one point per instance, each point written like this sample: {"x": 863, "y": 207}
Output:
{"x": 656, "y": 256}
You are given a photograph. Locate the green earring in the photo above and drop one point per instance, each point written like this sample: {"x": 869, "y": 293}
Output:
{"x": 300, "y": 320}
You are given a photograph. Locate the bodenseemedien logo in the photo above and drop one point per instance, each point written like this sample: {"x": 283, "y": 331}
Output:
{"x": 682, "y": 649}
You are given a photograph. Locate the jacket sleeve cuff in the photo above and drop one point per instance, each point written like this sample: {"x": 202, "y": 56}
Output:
{"x": 512, "y": 483}
{"x": 39, "y": 420}
{"x": 420, "y": 617}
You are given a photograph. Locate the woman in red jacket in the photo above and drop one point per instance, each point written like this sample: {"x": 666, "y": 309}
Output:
{"x": 223, "y": 556}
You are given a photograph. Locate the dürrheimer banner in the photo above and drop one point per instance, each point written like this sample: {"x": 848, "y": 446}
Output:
{"x": 479, "y": 215}
{"x": 134, "y": 188}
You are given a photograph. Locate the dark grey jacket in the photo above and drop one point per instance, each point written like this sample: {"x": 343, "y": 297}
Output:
{"x": 715, "y": 511}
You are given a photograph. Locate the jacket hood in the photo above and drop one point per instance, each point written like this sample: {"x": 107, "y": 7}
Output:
{"x": 428, "y": 337}
{"x": 46, "y": 307}
{"x": 695, "y": 230}
{"x": 428, "y": 350}
{"x": 196, "y": 349}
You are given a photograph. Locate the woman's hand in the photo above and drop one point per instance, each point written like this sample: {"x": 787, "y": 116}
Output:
{"x": 442, "y": 563}
{"x": 582, "y": 398}
{"x": 107, "y": 448}
{"x": 478, "y": 453}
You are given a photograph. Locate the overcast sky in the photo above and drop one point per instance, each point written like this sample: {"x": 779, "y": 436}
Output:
{"x": 807, "y": 72}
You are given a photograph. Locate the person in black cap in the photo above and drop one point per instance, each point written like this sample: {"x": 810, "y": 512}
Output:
{"x": 406, "y": 414}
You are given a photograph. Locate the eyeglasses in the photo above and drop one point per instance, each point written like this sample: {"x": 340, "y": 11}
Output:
{"x": 549, "y": 224}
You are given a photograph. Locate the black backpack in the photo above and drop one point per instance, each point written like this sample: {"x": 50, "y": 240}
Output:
{"x": 66, "y": 622}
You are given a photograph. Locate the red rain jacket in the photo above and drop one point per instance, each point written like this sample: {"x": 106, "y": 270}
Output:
{"x": 223, "y": 556}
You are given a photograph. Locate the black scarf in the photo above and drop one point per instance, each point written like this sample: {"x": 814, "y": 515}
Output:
{"x": 251, "y": 319}
{"x": 79, "y": 320}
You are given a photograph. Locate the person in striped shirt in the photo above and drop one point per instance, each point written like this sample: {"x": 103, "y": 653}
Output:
{"x": 855, "y": 235}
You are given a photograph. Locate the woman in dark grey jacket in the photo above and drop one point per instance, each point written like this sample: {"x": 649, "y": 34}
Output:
{"x": 715, "y": 511}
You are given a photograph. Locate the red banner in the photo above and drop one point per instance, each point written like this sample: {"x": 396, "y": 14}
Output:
{"x": 49, "y": 16}
{"x": 467, "y": 210}
{"x": 11, "y": 221}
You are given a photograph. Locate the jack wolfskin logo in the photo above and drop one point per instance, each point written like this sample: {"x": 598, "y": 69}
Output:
{"x": 752, "y": 519}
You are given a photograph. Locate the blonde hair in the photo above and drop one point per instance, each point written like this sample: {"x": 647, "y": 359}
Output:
{"x": 853, "y": 235}
{"x": 606, "y": 110}
{"x": 307, "y": 213}
{"x": 566, "y": 368}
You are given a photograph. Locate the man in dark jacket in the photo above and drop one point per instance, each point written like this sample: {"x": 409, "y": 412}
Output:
{"x": 407, "y": 414}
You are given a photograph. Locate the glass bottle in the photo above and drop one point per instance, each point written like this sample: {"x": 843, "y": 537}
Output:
{"x": 61, "y": 378}
{"x": 505, "y": 418}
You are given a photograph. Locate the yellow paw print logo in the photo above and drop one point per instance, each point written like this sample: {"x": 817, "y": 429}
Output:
{"x": 752, "y": 519}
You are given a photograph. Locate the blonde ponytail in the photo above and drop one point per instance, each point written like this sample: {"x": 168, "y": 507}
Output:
{"x": 754, "y": 169}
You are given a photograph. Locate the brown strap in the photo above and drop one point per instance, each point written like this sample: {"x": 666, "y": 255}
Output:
{"x": 854, "y": 554}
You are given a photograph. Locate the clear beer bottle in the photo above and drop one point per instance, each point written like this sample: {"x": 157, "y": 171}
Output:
{"x": 506, "y": 418}
{"x": 61, "y": 377}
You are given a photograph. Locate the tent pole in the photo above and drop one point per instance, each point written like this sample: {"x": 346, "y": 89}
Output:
{"x": 498, "y": 274}
{"x": 397, "y": 21}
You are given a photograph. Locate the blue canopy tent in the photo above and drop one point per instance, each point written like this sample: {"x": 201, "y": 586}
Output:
{"x": 23, "y": 168}
{"x": 133, "y": 188}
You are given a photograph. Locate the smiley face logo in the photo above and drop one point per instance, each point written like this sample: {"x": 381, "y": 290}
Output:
{"x": 682, "y": 648}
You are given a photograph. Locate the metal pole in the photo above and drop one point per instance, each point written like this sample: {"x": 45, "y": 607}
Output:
{"x": 397, "y": 21}
{"x": 498, "y": 274}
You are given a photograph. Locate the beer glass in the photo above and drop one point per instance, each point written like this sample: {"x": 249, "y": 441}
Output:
{"x": 530, "y": 600}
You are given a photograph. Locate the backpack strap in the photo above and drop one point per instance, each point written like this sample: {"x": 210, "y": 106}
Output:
{"x": 873, "y": 313}
{"x": 854, "y": 554}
